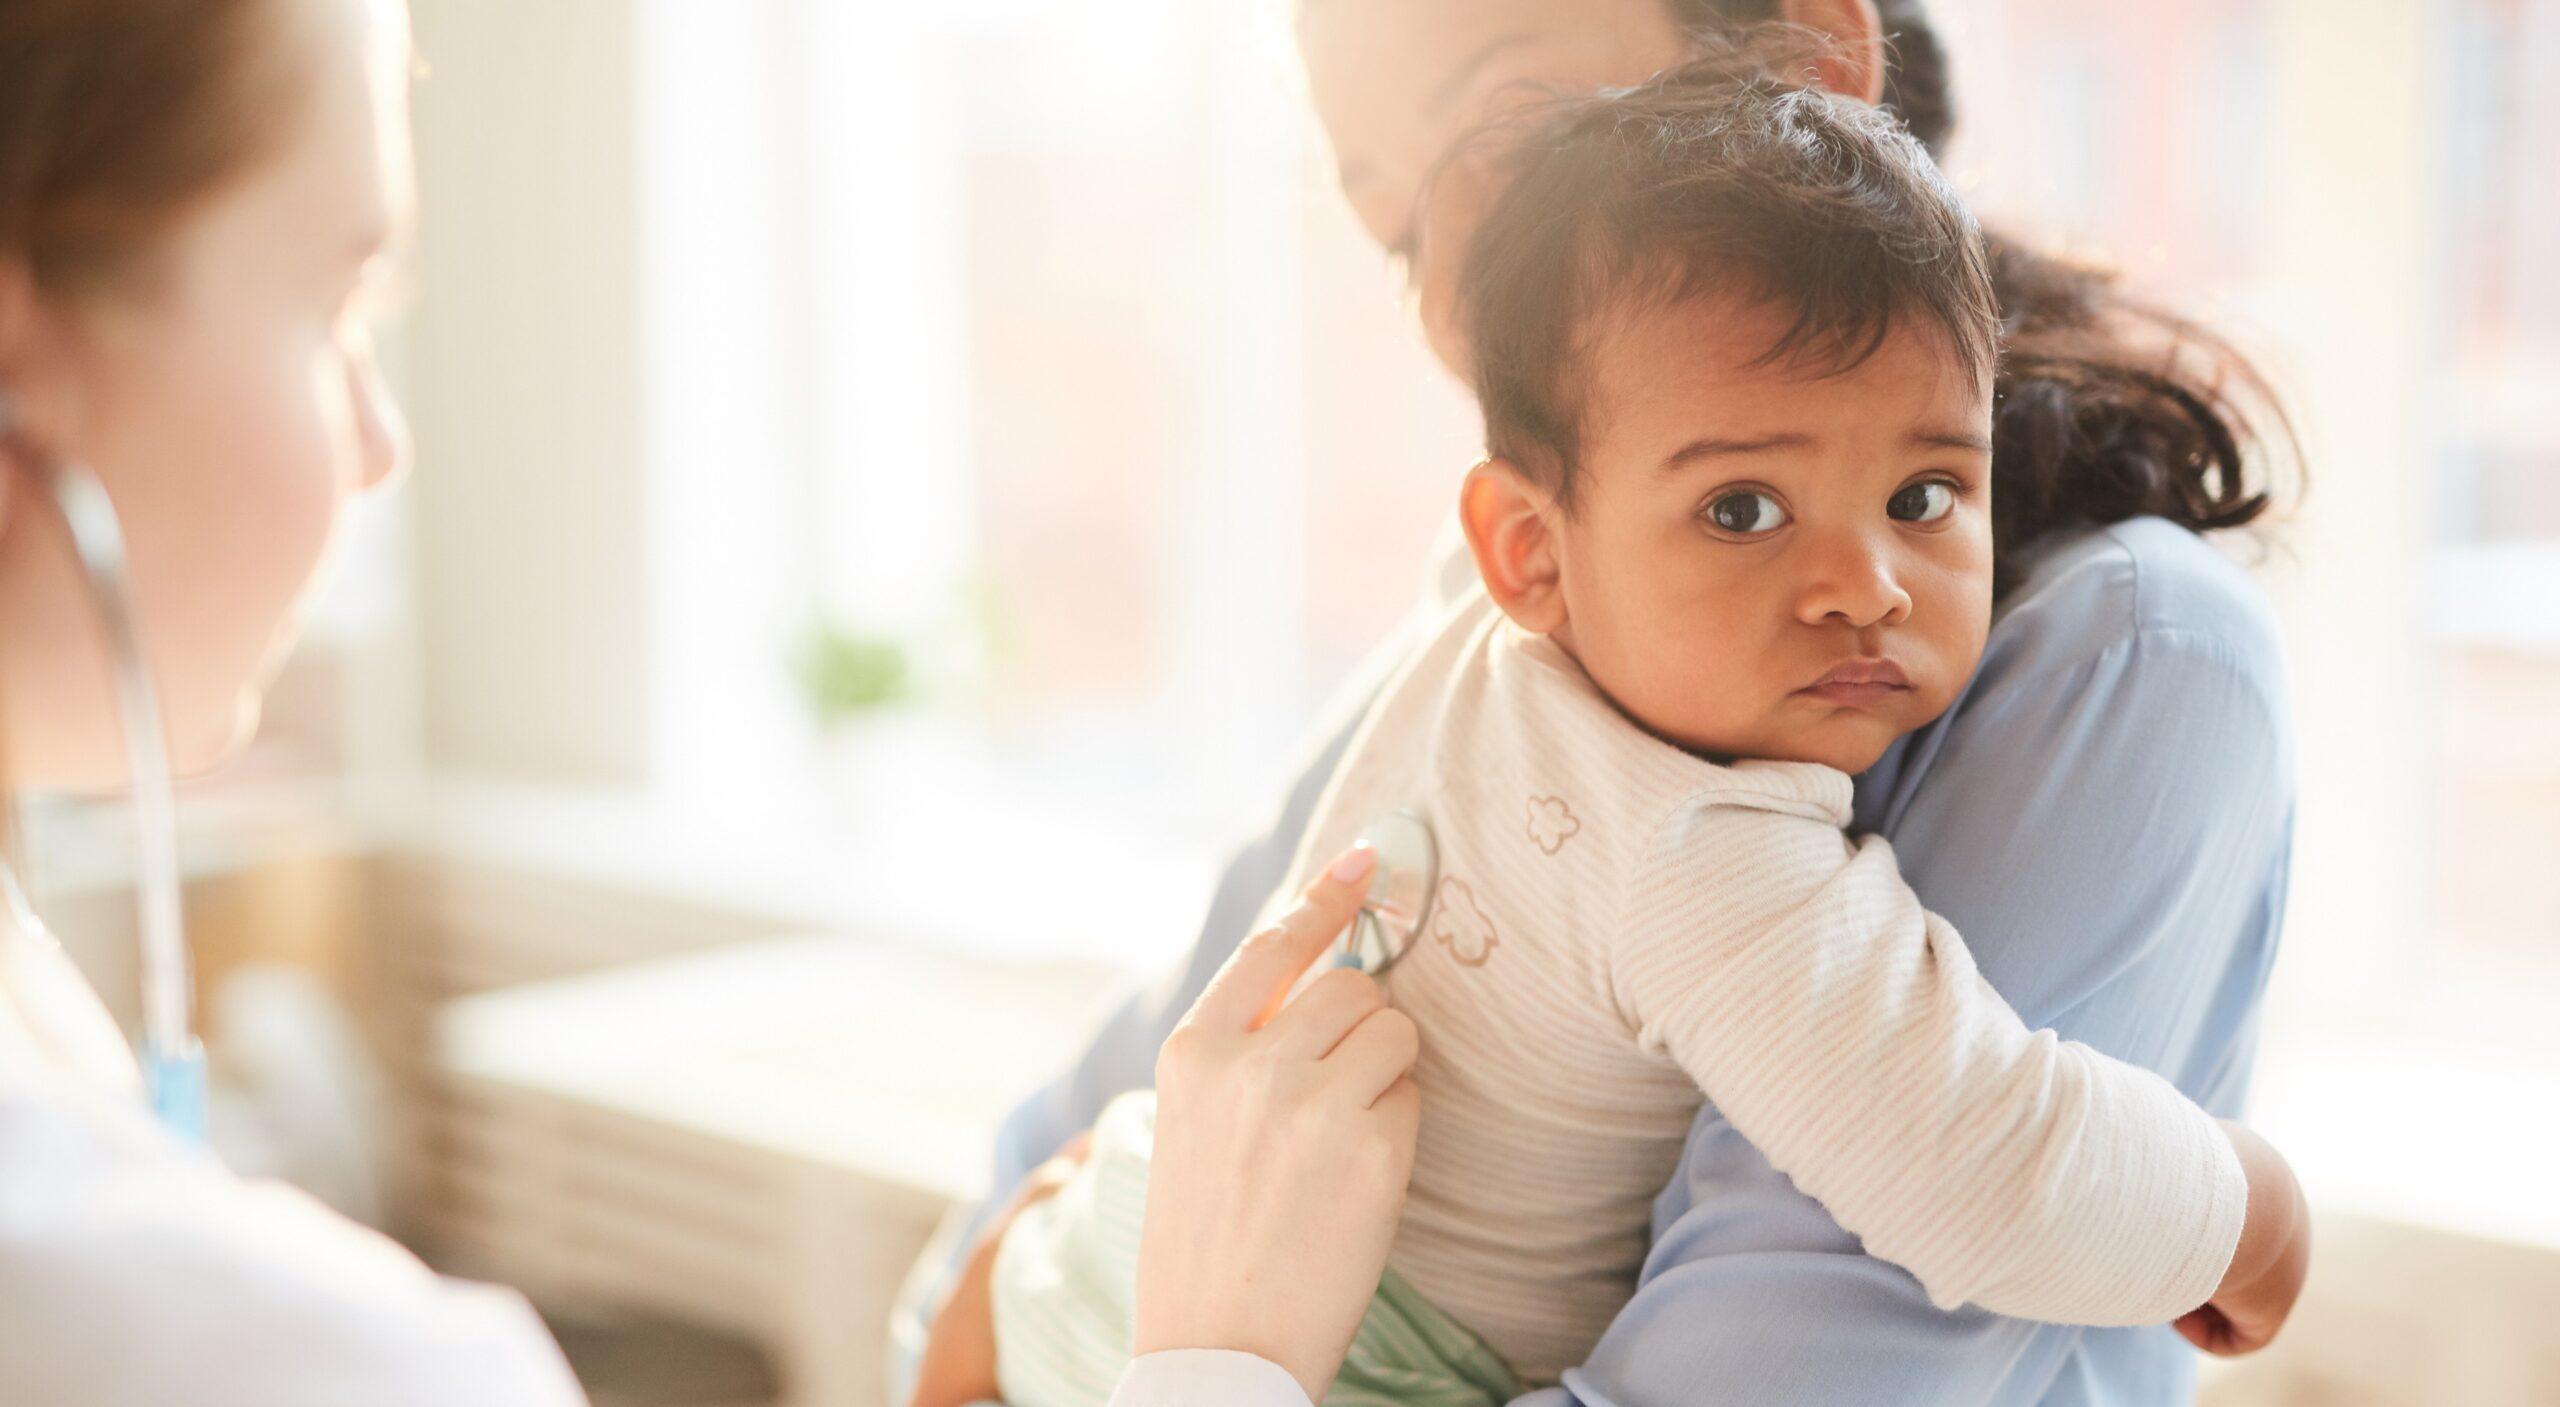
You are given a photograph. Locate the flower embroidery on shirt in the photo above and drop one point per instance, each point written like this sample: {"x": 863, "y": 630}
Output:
{"x": 1552, "y": 823}
{"x": 1459, "y": 924}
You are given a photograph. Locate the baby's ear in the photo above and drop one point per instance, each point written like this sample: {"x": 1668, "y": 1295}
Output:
{"x": 1511, "y": 528}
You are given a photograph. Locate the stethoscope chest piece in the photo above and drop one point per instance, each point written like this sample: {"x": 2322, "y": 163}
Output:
{"x": 1400, "y": 891}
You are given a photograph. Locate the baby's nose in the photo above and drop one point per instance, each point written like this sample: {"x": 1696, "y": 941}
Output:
{"x": 1856, "y": 586}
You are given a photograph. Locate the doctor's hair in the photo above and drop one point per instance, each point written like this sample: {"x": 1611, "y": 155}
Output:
{"x": 118, "y": 116}
{"x": 1720, "y": 180}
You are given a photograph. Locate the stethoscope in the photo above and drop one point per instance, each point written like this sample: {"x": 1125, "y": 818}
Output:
{"x": 1401, "y": 889}
{"x": 172, "y": 1060}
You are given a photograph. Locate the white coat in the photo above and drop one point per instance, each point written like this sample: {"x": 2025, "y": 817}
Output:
{"x": 136, "y": 1272}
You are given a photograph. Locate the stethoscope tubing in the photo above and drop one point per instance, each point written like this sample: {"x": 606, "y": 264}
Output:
{"x": 172, "y": 1060}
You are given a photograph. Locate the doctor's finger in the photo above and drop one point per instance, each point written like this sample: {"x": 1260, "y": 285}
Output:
{"x": 1316, "y": 1020}
{"x": 1258, "y": 975}
{"x": 1400, "y": 1111}
{"x": 1373, "y": 1057}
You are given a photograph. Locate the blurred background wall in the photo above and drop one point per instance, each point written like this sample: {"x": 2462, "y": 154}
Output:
{"x": 912, "y": 472}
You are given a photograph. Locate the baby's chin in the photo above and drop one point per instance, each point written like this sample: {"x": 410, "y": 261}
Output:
{"x": 1850, "y": 756}
{"x": 1846, "y": 740}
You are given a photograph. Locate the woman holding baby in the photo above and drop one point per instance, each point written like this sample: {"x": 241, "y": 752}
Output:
{"x": 195, "y": 209}
{"x": 2102, "y": 809}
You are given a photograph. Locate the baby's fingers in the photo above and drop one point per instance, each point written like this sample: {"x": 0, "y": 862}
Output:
{"x": 2221, "y": 1334}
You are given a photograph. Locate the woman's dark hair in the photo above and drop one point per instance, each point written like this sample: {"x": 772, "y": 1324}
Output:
{"x": 1719, "y": 179}
{"x": 2107, "y": 408}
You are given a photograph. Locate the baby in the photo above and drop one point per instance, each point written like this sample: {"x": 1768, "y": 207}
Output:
{"x": 1735, "y": 344}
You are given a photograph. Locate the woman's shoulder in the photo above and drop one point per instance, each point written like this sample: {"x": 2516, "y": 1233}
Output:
{"x": 2142, "y": 587}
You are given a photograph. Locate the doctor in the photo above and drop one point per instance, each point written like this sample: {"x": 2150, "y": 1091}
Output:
{"x": 196, "y": 202}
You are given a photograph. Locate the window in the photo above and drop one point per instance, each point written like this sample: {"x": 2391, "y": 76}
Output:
{"x": 2134, "y": 130}
{"x": 2498, "y": 565}
{"x": 2202, "y": 148}
{"x": 1030, "y": 340}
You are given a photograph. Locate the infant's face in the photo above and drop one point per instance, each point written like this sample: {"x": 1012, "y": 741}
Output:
{"x": 1761, "y": 563}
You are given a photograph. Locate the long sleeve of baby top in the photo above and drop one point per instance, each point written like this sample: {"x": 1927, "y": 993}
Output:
{"x": 1621, "y": 929}
{"x": 1844, "y": 1030}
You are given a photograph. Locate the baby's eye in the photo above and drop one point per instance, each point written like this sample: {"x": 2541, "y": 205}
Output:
{"x": 1923, "y": 502}
{"x": 1746, "y": 512}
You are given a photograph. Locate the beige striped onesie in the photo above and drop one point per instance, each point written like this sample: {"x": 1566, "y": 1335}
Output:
{"x": 1620, "y": 925}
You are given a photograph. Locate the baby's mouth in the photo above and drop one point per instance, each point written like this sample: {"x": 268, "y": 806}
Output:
{"x": 1858, "y": 683}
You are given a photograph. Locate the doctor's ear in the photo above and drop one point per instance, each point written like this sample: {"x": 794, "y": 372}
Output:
{"x": 30, "y": 379}
{"x": 14, "y": 454}
{"x": 17, "y": 337}
{"x": 1511, "y": 526}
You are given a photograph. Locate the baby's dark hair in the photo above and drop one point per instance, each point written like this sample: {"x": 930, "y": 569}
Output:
{"x": 1718, "y": 179}
{"x": 2106, "y": 407}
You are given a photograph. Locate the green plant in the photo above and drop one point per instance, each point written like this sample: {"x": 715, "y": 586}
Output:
{"x": 846, "y": 673}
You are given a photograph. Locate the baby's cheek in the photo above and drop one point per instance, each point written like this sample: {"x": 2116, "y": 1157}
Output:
{"x": 1704, "y": 694}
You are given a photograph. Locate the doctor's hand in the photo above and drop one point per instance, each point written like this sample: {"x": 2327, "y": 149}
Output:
{"x": 1283, "y": 1143}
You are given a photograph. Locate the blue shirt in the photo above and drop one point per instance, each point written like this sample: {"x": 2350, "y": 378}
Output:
{"x": 2106, "y": 816}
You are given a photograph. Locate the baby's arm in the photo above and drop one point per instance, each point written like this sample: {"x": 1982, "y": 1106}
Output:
{"x": 958, "y": 1364}
{"x": 1845, "y": 1031}
{"x": 2266, "y": 1273}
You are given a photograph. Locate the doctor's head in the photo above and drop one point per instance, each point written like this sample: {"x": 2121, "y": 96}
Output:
{"x": 196, "y": 201}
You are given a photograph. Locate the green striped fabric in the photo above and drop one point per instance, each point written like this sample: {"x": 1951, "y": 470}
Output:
{"x": 1065, "y": 1294}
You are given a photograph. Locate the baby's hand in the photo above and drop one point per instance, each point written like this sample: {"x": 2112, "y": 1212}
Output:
{"x": 2268, "y": 1269}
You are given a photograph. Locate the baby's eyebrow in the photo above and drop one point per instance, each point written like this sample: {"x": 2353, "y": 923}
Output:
{"x": 1713, "y": 447}
{"x": 1949, "y": 439}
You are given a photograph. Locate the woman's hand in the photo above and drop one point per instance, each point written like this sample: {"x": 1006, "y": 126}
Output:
{"x": 1283, "y": 1143}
